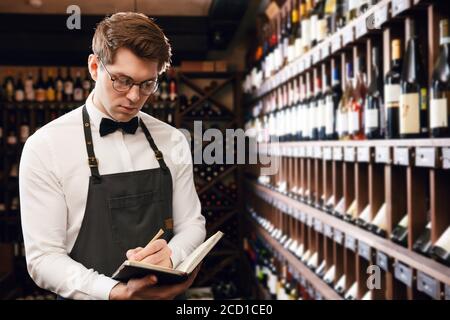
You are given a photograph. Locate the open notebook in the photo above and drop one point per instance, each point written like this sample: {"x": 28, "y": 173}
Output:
{"x": 135, "y": 269}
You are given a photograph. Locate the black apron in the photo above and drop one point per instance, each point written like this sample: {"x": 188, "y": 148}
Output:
{"x": 123, "y": 210}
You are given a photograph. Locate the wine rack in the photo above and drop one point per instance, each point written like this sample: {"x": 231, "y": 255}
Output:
{"x": 353, "y": 203}
{"x": 214, "y": 99}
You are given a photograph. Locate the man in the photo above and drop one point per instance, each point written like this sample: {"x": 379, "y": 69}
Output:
{"x": 99, "y": 182}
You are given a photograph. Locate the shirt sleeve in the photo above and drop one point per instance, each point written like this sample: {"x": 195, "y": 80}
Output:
{"x": 189, "y": 223}
{"x": 44, "y": 224}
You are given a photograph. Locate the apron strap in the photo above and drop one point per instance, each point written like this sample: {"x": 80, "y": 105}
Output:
{"x": 158, "y": 154}
{"x": 92, "y": 160}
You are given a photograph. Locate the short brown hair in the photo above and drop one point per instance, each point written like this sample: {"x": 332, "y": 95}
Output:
{"x": 134, "y": 31}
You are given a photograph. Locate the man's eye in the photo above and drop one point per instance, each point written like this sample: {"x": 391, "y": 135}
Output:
{"x": 148, "y": 84}
{"x": 125, "y": 81}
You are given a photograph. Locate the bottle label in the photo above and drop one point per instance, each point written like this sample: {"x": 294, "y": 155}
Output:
{"x": 28, "y": 85}
{"x": 438, "y": 113}
{"x": 24, "y": 133}
{"x": 19, "y": 95}
{"x": 12, "y": 139}
{"x": 316, "y": 114}
{"x": 329, "y": 116}
{"x": 298, "y": 47}
{"x": 409, "y": 113}
{"x": 320, "y": 115}
{"x": 444, "y": 240}
{"x": 68, "y": 87}
{"x": 354, "y": 121}
{"x": 353, "y": 4}
{"x": 306, "y": 32}
{"x": 291, "y": 52}
{"x": 51, "y": 94}
{"x": 285, "y": 48}
{"x": 423, "y": 98}
{"x": 40, "y": 95}
{"x": 444, "y": 40}
{"x": 59, "y": 85}
{"x": 322, "y": 29}
{"x": 392, "y": 95}
{"x": 314, "y": 27}
{"x": 371, "y": 118}
{"x": 78, "y": 94}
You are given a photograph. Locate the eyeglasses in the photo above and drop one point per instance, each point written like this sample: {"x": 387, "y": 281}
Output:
{"x": 124, "y": 83}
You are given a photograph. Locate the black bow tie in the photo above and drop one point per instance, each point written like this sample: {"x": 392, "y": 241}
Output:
{"x": 108, "y": 126}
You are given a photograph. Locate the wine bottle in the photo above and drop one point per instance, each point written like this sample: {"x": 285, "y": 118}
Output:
{"x": 78, "y": 88}
{"x": 316, "y": 103}
{"x": 19, "y": 93}
{"x": 24, "y": 127}
{"x": 322, "y": 107}
{"x": 339, "y": 209}
{"x": 440, "y": 87}
{"x": 329, "y": 275}
{"x": 358, "y": 98}
{"x": 59, "y": 86}
{"x": 364, "y": 218}
{"x": 68, "y": 86}
{"x": 400, "y": 233}
{"x": 332, "y": 99}
{"x": 350, "y": 214}
{"x": 378, "y": 225}
{"x": 306, "y": 25}
{"x": 8, "y": 86}
{"x": 29, "y": 87}
{"x": 295, "y": 36}
{"x": 285, "y": 33}
{"x": 374, "y": 108}
{"x": 352, "y": 292}
{"x": 441, "y": 249}
{"x": 40, "y": 88}
{"x": 423, "y": 244}
{"x": 50, "y": 91}
{"x": 320, "y": 271}
{"x": 413, "y": 97}
{"x": 345, "y": 105}
{"x": 340, "y": 285}
{"x": 331, "y": 15}
{"x": 313, "y": 261}
{"x": 392, "y": 92}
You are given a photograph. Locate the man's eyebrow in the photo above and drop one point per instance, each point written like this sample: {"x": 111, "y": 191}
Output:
{"x": 119, "y": 74}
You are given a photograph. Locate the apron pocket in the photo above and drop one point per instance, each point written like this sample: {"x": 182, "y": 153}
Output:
{"x": 135, "y": 218}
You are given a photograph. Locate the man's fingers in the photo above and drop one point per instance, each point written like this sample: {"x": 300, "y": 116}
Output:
{"x": 150, "y": 249}
{"x": 136, "y": 285}
{"x": 132, "y": 252}
{"x": 159, "y": 256}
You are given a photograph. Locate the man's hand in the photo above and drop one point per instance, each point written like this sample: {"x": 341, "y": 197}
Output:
{"x": 157, "y": 252}
{"x": 145, "y": 289}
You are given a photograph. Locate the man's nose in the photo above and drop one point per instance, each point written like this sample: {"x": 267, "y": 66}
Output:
{"x": 134, "y": 93}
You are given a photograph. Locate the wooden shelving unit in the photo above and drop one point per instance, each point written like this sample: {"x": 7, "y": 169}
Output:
{"x": 397, "y": 252}
{"x": 343, "y": 185}
{"x": 227, "y": 86}
{"x": 320, "y": 286}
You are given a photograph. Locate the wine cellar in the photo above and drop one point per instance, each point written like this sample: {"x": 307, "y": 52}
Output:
{"x": 345, "y": 105}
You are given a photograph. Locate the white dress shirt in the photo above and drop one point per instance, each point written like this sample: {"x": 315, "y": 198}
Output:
{"x": 53, "y": 181}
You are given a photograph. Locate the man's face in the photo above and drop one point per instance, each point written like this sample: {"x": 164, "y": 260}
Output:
{"x": 121, "y": 106}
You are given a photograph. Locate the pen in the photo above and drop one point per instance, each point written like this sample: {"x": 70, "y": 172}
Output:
{"x": 160, "y": 232}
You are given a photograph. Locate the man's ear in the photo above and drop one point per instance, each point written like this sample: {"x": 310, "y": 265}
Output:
{"x": 93, "y": 66}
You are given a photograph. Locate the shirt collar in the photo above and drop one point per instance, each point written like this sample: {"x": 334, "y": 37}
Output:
{"x": 94, "y": 112}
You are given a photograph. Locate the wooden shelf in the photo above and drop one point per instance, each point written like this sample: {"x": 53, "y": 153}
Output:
{"x": 319, "y": 285}
{"x": 425, "y": 142}
{"x": 408, "y": 257}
